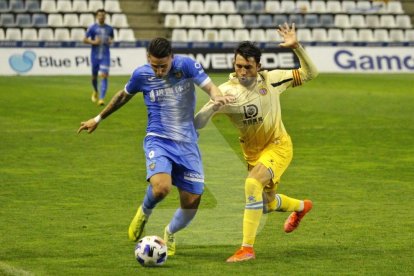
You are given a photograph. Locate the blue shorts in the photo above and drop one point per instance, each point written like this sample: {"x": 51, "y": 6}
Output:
{"x": 100, "y": 65}
{"x": 181, "y": 160}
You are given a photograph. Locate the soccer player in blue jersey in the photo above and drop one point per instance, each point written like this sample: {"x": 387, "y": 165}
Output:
{"x": 100, "y": 36}
{"x": 171, "y": 150}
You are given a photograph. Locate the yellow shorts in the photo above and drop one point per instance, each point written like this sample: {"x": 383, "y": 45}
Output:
{"x": 276, "y": 157}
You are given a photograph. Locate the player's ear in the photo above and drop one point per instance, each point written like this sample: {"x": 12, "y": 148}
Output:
{"x": 259, "y": 66}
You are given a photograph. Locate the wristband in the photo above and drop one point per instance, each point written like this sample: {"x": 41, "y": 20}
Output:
{"x": 98, "y": 118}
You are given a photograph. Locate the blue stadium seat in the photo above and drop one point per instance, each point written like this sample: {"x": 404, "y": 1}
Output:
{"x": 4, "y": 6}
{"x": 32, "y": 6}
{"x": 311, "y": 21}
{"x": 7, "y": 20}
{"x": 23, "y": 20}
{"x": 17, "y": 6}
{"x": 243, "y": 7}
{"x": 265, "y": 20}
{"x": 257, "y": 6}
{"x": 250, "y": 21}
{"x": 297, "y": 19}
{"x": 39, "y": 20}
{"x": 326, "y": 20}
{"x": 279, "y": 19}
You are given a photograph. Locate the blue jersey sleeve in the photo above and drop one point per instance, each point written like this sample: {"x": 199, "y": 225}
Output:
{"x": 133, "y": 86}
{"x": 196, "y": 72}
{"x": 90, "y": 32}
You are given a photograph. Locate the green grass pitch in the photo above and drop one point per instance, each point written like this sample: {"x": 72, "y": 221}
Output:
{"x": 66, "y": 200}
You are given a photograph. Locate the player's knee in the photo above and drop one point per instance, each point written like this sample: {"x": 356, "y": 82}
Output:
{"x": 252, "y": 188}
{"x": 161, "y": 189}
{"x": 191, "y": 203}
{"x": 104, "y": 75}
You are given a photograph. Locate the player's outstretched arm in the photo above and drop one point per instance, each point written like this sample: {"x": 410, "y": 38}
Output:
{"x": 308, "y": 69}
{"x": 116, "y": 102}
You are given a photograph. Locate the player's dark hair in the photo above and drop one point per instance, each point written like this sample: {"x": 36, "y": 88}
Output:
{"x": 248, "y": 49}
{"x": 159, "y": 47}
{"x": 98, "y": 11}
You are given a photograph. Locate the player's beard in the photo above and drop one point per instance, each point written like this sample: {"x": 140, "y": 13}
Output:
{"x": 246, "y": 81}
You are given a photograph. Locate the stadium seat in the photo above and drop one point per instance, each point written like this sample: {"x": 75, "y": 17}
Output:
{"x": 188, "y": 21}
{"x": 196, "y": 7}
{"x": 48, "y": 6}
{"x": 294, "y": 18}
{"x": 7, "y": 20}
{"x": 372, "y": 21}
{"x": 179, "y": 35}
{"x": 279, "y": 19}
{"x": 363, "y": 6}
{"x": 287, "y": 6}
{"x": 381, "y": 35}
{"x": 94, "y": 5}
{"x": 63, "y": 6}
{"x": 70, "y": 20}
{"x": 227, "y": 7}
{"x": 211, "y": 35}
{"x": 357, "y": 21}
{"x": 212, "y": 6}
{"x": 181, "y": 6}
{"x": 195, "y": 35}
{"x": 257, "y": 35}
{"x": 394, "y": 7}
{"x": 62, "y": 34}
{"x": 165, "y": 6}
{"x": 172, "y": 21}
{"x": 243, "y": 6}
{"x": 365, "y": 35}
{"x": 272, "y": 7}
{"x": 126, "y": 35}
{"x": 119, "y": 20}
{"x": 4, "y": 7}
{"x": 86, "y": 19}
{"x": 1, "y": 34}
{"x": 55, "y": 20}
{"x": 45, "y": 34}
{"x": 326, "y": 20}
{"x": 335, "y": 35}
{"x": 387, "y": 21}
{"x": 32, "y": 6}
{"x": 80, "y": 6}
{"x": 13, "y": 34}
{"x": 17, "y": 6}
{"x": 235, "y": 21}
{"x": 39, "y": 20}
{"x": 350, "y": 35}
{"x": 29, "y": 34}
{"x": 23, "y": 20}
{"x": 311, "y": 21}
{"x": 349, "y": 6}
{"x": 272, "y": 35}
{"x": 333, "y": 7}
{"x": 304, "y": 35}
{"x": 403, "y": 21}
{"x": 249, "y": 21}
{"x": 112, "y": 6}
{"x": 219, "y": 21}
{"x": 265, "y": 21}
{"x": 319, "y": 34}
{"x": 409, "y": 35}
{"x": 241, "y": 35}
{"x": 77, "y": 34}
{"x": 226, "y": 35}
{"x": 342, "y": 21}
{"x": 396, "y": 35}
{"x": 257, "y": 6}
{"x": 204, "y": 21}
{"x": 318, "y": 6}
{"x": 303, "y": 6}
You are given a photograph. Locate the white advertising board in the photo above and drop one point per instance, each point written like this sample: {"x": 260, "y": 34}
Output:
{"x": 65, "y": 61}
{"x": 363, "y": 59}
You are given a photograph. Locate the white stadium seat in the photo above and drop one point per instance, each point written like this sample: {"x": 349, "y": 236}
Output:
{"x": 335, "y": 35}
{"x": 211, "y": 35}
{"x": 13, "y": 34}
{"x": 241, "y": 35}
{"x": 119, "y": 20}
{"x": 79, "y": 6}
{"x": 29, "y": 34}
{"x": 70, "y": 20}
{"x": 55, "y": 20}
{"x": 350, "y": 35}
{"x": 45, "y": 34}
{"x": 48, "y": 6}
{"x": 226, "y": 35}
{"x": 77, "y": 34}
{"x": 381, "y": 35}
{"x": 365, "y": 35}
{"x": 319, "y": 34}
{"x": 304, "y": 35}
{"x": 195, "y": 35}
{"x": 86, "y": 19}
{"x": 227, "y": 7}
{"x": 172, "y": 21}
{"x": 272, "y": 7}
{"x": 212, "y": 6}
{"x": 188, "y": 21}
{"x": 62, "y": 34}
{"x": 235, "y": 21}
{"x": 165, "y": 6}
{"x": 126, "y": 35}
{"x": 196, "y": 7}
{"x": 94, "y": 5}
{"x": 181, "y": 6}
{"x": 179, "y": 35}
{"x": 112, "y": 6}
{"x": 63, "y": 5}
{"x": 258, "y": 35}
{"x": 396, "y": 35}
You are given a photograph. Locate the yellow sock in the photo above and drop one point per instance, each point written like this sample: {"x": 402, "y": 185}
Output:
{"x": 253, "y": 210}
{"x": 288, "y": 204}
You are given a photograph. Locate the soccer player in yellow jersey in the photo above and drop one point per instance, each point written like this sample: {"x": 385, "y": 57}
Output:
{"x": 266, "y": 145}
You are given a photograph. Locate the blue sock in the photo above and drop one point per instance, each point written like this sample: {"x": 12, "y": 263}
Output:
{"x": 149, "y": 201}
{"x": 95, "y": 84}
{"x": 181, "y": 219}
{"x": 104, "y": 86}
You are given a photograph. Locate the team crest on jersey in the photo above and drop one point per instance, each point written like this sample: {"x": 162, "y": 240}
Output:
{"x": 152, "y": 166}
{"x": 263, "y": 91}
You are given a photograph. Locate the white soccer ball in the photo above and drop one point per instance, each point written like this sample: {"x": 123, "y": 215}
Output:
{"x": 151, "y": 251}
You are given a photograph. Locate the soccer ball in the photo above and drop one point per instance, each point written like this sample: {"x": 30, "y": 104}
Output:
{"x": 151, "y": 251}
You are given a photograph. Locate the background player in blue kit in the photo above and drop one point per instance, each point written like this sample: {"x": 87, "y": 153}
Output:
{"x": 100, "y": 36}
{"x": 170, "y": 145}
